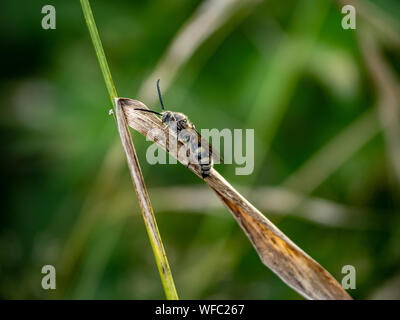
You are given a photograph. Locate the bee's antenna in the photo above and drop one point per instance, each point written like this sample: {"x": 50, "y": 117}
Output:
{"x": 159, "y": 94}
{"x": 147, "y": 110}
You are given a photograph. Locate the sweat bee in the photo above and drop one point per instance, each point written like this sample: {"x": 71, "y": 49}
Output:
{"x": 201, "y": 152}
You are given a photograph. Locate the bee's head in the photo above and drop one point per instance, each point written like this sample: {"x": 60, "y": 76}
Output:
{"x": 167, "y": 117}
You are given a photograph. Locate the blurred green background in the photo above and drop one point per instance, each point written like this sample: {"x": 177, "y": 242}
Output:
{"x": 324, "y": 103}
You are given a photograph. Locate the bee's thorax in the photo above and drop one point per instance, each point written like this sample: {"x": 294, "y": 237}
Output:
{"x": 177, "y": 119}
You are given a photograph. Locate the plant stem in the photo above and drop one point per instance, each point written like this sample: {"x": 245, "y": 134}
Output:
{"x": 98, "y": 48}
{"x": 133, "y": 164}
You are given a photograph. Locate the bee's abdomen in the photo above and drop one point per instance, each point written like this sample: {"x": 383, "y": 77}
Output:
{"x": 199, "y": 155}
{"x": 204, "y": 160}
{"x": 205, "y": 170}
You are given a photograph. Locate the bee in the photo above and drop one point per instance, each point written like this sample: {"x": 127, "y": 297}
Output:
{"x": 200, "y": 152}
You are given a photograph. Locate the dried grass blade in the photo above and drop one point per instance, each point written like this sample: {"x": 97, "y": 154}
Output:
{"x": 276, "y": 250}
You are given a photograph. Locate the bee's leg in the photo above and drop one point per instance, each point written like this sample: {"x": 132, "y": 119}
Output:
{"x": 188, "y": 155}
{"x": 183, "y": 137}
{"x": 184, "y": 150}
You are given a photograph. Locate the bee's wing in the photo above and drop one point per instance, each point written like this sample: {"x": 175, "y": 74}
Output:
{"x": 205, "y": 144}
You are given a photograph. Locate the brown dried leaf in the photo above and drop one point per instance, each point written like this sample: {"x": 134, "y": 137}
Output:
{"x": 277, "y": 251}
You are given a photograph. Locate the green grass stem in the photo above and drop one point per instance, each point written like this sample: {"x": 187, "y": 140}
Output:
{"x": 159, "y": 254}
